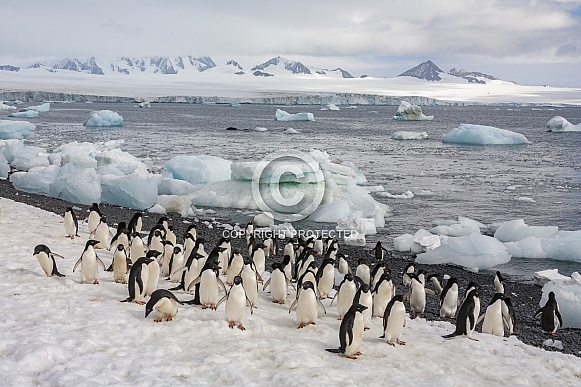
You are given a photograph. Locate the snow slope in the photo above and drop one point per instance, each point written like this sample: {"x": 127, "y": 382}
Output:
{"x": 55, "y": 331}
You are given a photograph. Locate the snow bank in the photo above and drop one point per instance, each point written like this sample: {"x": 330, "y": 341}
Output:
{"x": 403, "y": 135}
{"x": 281, "y": 115}
{"x": 408, "y": 112}
{"x": 560, "y": 124}
{"x": 103, "y": 118}
{"x": 568, "y": 296}
{"x": 24, "y": 114}
{"x": 199, "y": 169}
{"x": 468, "y": 134}
{"x": 16, "y": 129}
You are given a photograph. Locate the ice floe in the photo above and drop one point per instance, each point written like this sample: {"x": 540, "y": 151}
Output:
{"x": 408, "y": 112}
{"x": 281, "y": 115}
{"x": 10, "y": 129}
{"x": 468, "y": 134}
{"x": 560, "y": 124}
{"x": 104, "y": 118}
{"x": 403, "y": 135}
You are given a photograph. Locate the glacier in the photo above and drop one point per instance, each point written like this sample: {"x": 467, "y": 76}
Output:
{"x": 468, "y": 134}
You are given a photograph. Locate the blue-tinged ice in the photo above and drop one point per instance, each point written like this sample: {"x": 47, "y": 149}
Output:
{"x": 199, "y": 169}
{"x": 77, "y": 185}
{"x": 137, "y": 191}
{"x": 28, "y": 157}
{"x": 16, "y": 129}
{"x": 4, "y": 167}
{"x": 468, "y": 134}
{"x": 568, "y": 296}
{"x": 24, "y": 114}
{"x": 169, "y": 186}
{"x": 281, "y": 115}
{"x": 42, "y": 108}
{"x": 37, "y": 180}
{"x": 103, "y": 118}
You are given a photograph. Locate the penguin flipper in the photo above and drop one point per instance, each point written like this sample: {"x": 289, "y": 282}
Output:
{"x": 293, "y": 305}
{"x": 57, "y": 255}
{"x": 222, "y": 300}
{"x": 178, "y": 270}
{"x": 451, "y": 335}
{"x": 558, "y": 314}
{"x": 250, "y": 305}
{"x": 268, "y": 283}
{"x": 321, "y": 305}
{"x": 77, "y": 264}
{"x": 333, "y": 350}
{"x": 102, "y": 264}
{"x": 221, "y": 283}
{"x": 194, "y": 283}
{"x": 430, "y": 292}
{"x": 480, "y": 318}
{"x": 537, "y": 312}
{"x": 333, "y": 299}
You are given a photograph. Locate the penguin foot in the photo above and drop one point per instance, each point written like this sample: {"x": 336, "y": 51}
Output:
{"x": 472, "y": 338}
{"x": 398, "y": 341}
{"x": 241, "y": 327}
{"x": 366, "y": 328}
{"x": 340, "y": 318}
{"x": 353, "y": 357}
{"x": 157, "y": 319}
{"x": 391, "y": 343}
{"x": 170, "y": 318}
{"x": 231, "y": 324}
{"x": 204, "y": 306}
{"x": 213, "y": 306}
{"x": 141, "y": 303}
{"x": 554, "y": 334}
{"x": 96, "y": 282}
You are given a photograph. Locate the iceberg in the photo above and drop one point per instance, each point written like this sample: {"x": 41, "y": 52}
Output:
{"x": 138, "y": 191}
{"x": 560, "y": 124}
{"x": 16, "y": 129}
{"x": 103, "y": 118}
{"x": 27, "y": 157}
{"x": 199, "y": 169}
{"x": 405, "y": 195}
{"x": 281, "y": 115}
{"x": 176, "y": 204}
{"x": 544, "y": 276}
{"x": 42, "y": 108}
{"x": 403, "y": 135}
{"x": 464, "y": 226}
{"x": 264, "y": 219}
{"x": 37, "y": 180}
{"x": 561, "y": 246}
{"x": 170, "y": 186}
{"x": 3, "y": 106}
{"x": 331, "y": 106}
{"x": 468, "y": 134}
{"x": 408, "y": 112}
{"x": 515, "y": 230}
{"x": 24, "y": 114}
{"x": 4, "y": 167}
{"x": 144, "y": 104}
{"x": 290, "y": 131}
{"x": 568, "y": 296}
{"x": 474, "y": 251}
{"x": 76, "y": 185}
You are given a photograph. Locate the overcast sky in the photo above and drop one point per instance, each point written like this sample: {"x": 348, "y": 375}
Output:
{"x": 530, "y": 42}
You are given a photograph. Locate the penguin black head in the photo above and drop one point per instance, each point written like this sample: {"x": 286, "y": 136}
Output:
{"x": 362, "y": 261}
{"x": 235, "y": 251}
{"x": 313, "y": 265}
{"x": 308, "y": 285}
{"x": 177, "y": 250}
{"x": 103, "y": 219}
{"x": 135, "y": 235}
{"x": 496, "y": 297}
{"x": 437, "y": 276}
{"x": 398, "y": 297}
{"x": 153, "y": 253}
{"x": 237, "y": 280}
{"x": 364, "y": 287}
{"x": 277, "y": 265}
{"x": 162, "y": 219}
{"x": 357, "y": 308}
{"x": 157, "y": 233}
{"x": 165, "y": 243}
{"x": 120, "y": 247}
{"x": 46, "y": 250}
{"x": 69, "y": 209}
{"x": 91, "y": 242}
{"x": 286, "y": 260}
{"x": 499, "y": 276}
{"x": 551, "y": 296}
{"x": 452, "y": 280}
{"x": 348, "y": 277}
{"x": 170, "y": 228}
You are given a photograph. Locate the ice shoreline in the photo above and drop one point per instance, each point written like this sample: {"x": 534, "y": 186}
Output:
{"x": 525, "y": 296}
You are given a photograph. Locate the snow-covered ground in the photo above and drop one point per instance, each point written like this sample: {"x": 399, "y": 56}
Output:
{"x": 248, "y": 86}
{"x": 55, "y": 331}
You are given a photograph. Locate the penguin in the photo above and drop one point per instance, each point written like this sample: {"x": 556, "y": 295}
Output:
{"x": 351, "y": 332}
{"x": 121, "y": 264}
{"x": 422, "y": 276}
{"x": 170, "y": 236}
{"x": 135, "y": 224}
{"x": 318, "y": 245}
{"x": 138, "y": 277}
{"x": 307, "y": 305}
{"x": 136, "y": 247}
{"x": 435, "y": 281}
{"x": 449, "y": 299}
{"x": 164, "y": 222}
{"x": 101, "y": 234}
{"x": 165, "y": 304}
{"x": 347, "y": 290}
{"x": 176, "y": 261}
{"x": 364, "y": 297}
{"x": 235, "y": 265}
{"x": 153, "y": 276}
{"x": 259, "y": 258}
{"x": 499, "y": 283}
{"x": 236, "y": 302}
{"x": 377, "y": 272}
{"x": 394, "y": 321}
{"x": 71, "y": 223}
{"x": 94, "y": 217}
{"x": 383, "y": 292}
{"x": 550, "y": 316}
{"x": 46, "y": 259}
{"x": 192, "y": 232}
{"x": 363, "y": 271}
{"x": 493, "y": 321}
{"x": 250, "y": 281}
{"x": 89, "y": 262}
{"x": 287, "y": 266}
{"x": 417, "y": 295}
{"x": 304, "y": 262}
{"x": 508, "y": 315}
{"x": 209, "y": 280}
{"x": 467, "y": 316}
{"x": 326, "y": 278}
{"x": 269, "y": 246}
{"x": 155, "y": 239}
{"x": 121, "y": 236}
{"x": 310, "y": 274}
{"x": 225, "y": 255}
{"x": 289, "y": 249}
{"x": 331, "y": 253}
{"x": 471, "y": 286}
{"x": 278, "y": 283}
{"x": 343, "y": 265}
{"x": 406, "y": 280}
{"x": 189, "y": 243}
{"x": 248, "y": 232}
{"x": 168, "y": 250}
{"x": 378, "y": 251}
{"x": 189, "y": 272}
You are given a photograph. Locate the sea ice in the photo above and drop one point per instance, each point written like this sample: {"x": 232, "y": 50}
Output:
{"x": 354, "y": 239}
{"x": 103, "y": 118}
{"x": 4, "y": 167}
{"x": 290, "y": 131}
{"x": 560, "y": 124}
{"x": 260, "y": 129}
{"x": 408, "y": 112}
{"x": 469, "y": 134}
{"x": 28, "y": 157}
{"x": 470, "y": 251}
{"x": 169, "y": 186}
{"x": 363, "y": 226}
{"x": 281, "y": 115}
{"x": 464, "y": 226}
{"x": 403, "y": 135}
{"x": 405, "y": 195}
{"x": 199, "y": 169}
{"x": 568, "y": 296}
{"x": 77, "y": 185}
{"x": 16, "y": 129}
{"x": 25, "y": 114}
{"x": 264, "y": 219}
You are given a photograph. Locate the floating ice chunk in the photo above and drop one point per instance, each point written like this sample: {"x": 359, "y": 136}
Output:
{"x": 526, "y": 199}
{"x": 356, "y": 222}
{"x": 331, "y": 106}
{"x": 470, "y": 251}
{"x": 408, "y": 112}
{"x": 16, "y": 129}
{"x": 284, "y": 230}
{"x": 42, "y": 108}
{"x": 409, "y": 135}
{"x": 37, "y": 180}
{"x": 568, "y": 296}
{"x": 175, "y": 187}
{"x": 331, "y": 212}
{"x": 405, "y": 195}
{"x": 464, "y": 226}
{"x": 403, "y": 242}
{"x": 424, "y": 192}
{"x": 138, "y": 191}
{"x": 544, "y": 276}
{"x": 560, "y": 124}
{"x": 290, "y": 131}
{"x": 103, "y": 118}
{"x": 354, "y": 239}
{"x": 264, "y": 219}
{"x": 359, "y": 176}
{"x": 260, "y": 129}
{"x": 299, "y": 171}
{"x": 4, "y": 167}
{"x": 281, "y": 115}
{"x": 483, "y": 135}
{"x": 555, "y": 344}
{"x": 199, "y": 169}
{"x": 109, "y": 170}
{"x": 157, "y": 209}
{"x": 77, "y": 185}
{"x": 515, "y": 230}
{"x": 24, "y": 114}
{"x": 144, "y": 104}
{"x": 28, "y": 157}
{"x": 176, "y": 204}
{"x": 3, "y": 106}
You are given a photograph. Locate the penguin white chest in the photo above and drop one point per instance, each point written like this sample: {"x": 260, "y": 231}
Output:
{"x": 102, "y": 235}
{"x": 259, "y": 261}
{"x": 345, "y": 297}
{"x": 89, "y": 270}
{"x": 236, "y": 305}
{"x": 137, "y": 250}
{"x": 382, "y": 298}
{"x": 153, "y": 277}
{"x": 450, "y": 302}
{"x": 177, "y": 263}
{"x": 307, "y": 312}
{"x": 327, "y": 281}
{"x": 208, "y": 288}
{"x": 418, "y": 297}
{"x": 343, "y": 266}
{"x": 166, "y": 308}
{"x": 278, "y": 286}
{"x": 120, "y": 266}
{"x": 250, "y": 284}
{"x": 363, "y": 273}
{"x": 395, "y": 322}
{"x": 493, "y": 323}
{"x": 70, "y": 224}
{"x": 45, "y": 263}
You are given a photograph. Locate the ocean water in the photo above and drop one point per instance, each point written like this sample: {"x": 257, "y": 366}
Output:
{"x": 486, "y": 183}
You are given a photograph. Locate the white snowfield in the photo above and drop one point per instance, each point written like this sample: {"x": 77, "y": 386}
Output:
{"x": 56, "y": 331}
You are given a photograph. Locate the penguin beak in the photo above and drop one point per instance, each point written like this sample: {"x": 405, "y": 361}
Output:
{"x": 147, "y": 312}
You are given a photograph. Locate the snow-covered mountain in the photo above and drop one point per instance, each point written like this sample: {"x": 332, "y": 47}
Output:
{"x": 281, "y": 66}
{"x": 431, "y": 72}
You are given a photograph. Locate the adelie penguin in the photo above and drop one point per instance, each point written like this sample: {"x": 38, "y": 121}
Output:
{"x": 467, "y": 316}
{"x": 378, "y": 251}
{"x": 449, "y": 299}
{"x": 236, "y": 302}
{"x": 494, "y": 322}
{"x": 307, "y": 305}
{"x": 394, "y": 320}
{"x": 46, "y": 259}
{"x": 71, "y": 223}
{"x": 138, "y": 277}
{"x": 121, "y": 264}
{"x": 94, "y": 217}
{"x": 89, "y": 262}
{"x": 550, "y": 316}
{"x": 165, "y": 304}
{"x": 351, "y": 332}
{"x": 345, "y": 294}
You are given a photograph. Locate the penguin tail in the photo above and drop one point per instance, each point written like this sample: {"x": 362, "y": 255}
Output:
{"x": 110, "y": 268}
{"x": 177, "y": 287}
{"x": 333, "y": 350}
{"x": 59, "y": 274}
{"x": 128, "y": 299}
{"x": 453, "y": 334}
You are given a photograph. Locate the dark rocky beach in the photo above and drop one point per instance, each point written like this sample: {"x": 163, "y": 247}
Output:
{"x": 525, "y": 296}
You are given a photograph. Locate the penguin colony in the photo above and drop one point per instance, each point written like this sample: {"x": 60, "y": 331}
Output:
{"x": 234, "y": 277}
